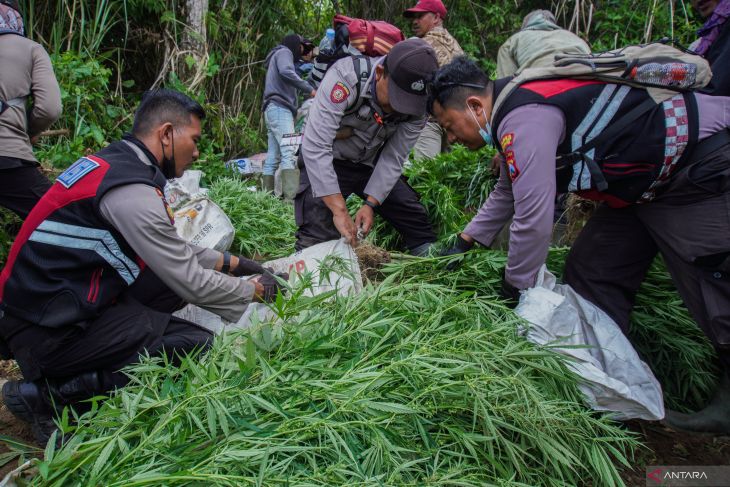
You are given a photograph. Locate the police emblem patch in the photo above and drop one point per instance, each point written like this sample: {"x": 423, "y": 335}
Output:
{"x": 339, "y": 92}
{"x": 170, "y": 213}
{"x": 509, "y": 156}
{"x": 78, "y": 170}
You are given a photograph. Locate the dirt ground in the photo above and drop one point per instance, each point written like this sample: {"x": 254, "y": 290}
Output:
{"x": 9, "y": 424}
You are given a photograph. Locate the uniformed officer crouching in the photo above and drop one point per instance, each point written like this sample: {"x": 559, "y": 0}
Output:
{"x": 361, "y": 127}
{"x": 98, "y": 268}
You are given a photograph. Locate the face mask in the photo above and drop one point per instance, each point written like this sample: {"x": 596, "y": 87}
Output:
{"x": 486, "y": 133}
{"x": 168, "y": 165}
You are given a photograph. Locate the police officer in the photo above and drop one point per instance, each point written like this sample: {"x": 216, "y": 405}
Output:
{"x": 664, "y": 178}
{"x": 362, "y": 125}
{"x": 98, "y": 268}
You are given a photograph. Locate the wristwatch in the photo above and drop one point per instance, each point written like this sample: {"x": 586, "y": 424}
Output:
{"x": 370, "y": 204}
{"x": 226, "y": 267}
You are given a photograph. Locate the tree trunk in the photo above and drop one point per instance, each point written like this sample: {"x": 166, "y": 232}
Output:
{"x": 194, "y": 43}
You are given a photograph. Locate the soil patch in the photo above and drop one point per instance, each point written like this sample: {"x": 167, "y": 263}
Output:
{"x": 666, "y": 447}
{"x": 9, "y": 424}
{"x": 371, "y": 259}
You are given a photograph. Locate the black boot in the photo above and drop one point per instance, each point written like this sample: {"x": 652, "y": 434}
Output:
{"x": 30, "y": 401}
{"x": 715, "y": 418}
{"x": 39, "y": 402}
{"x": 76, "y": 389}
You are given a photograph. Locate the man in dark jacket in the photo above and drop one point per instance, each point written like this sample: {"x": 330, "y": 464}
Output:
{"x": 26, "y": 73}
{"x": 98, "y": 268}
{"x": 664, "y": 178}
{"x": 714, "y": 43}
{"x": 280, "y": 110}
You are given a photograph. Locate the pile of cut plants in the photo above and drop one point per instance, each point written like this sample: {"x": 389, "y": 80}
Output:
{"x": 421, "y": 379}
{"x": 409, "y": 383}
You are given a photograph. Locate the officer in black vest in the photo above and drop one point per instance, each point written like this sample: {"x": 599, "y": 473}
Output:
{"x": 98, "y": 268}
{"x": 664, "y": 178}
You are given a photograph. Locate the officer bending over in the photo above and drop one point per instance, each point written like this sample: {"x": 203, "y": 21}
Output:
{"x": 667, "y": 191}
{"x": 359, "y": 132}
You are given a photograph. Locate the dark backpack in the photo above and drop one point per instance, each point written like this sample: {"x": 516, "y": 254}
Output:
{"x": 660, "y": 69}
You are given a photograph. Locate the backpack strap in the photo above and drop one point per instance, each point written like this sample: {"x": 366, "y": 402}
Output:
{"x": 363, "y": 67}
{"x": 14, "y": 102}
{"x": 581, "y": 153}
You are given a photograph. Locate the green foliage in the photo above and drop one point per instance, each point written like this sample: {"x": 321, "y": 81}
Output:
{"x": 264, "y": 224}
{"x": 92, "y": 114}
{"x": 9, "y": 226}
{"x": 662, "y": 331}
{"x": 406, "y": 384}
{"x": 452, "y": 186}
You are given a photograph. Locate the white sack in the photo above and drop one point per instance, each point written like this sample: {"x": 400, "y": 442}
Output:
{"x": 197, "y": 219}
{"x": 614, "y": 377}
{"x": 329, "y": 266}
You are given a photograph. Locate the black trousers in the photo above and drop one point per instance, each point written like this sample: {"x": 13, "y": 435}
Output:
{"x": 401, "y": 208}
{"x": 689, "y": 224}
{"x": 140, "y": 322}
{"x": 21, "y": 188}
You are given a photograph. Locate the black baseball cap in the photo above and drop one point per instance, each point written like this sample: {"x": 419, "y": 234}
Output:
{"x": 411, "y": 65}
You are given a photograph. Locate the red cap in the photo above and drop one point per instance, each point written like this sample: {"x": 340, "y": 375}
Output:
{"x": 435, "y": 6}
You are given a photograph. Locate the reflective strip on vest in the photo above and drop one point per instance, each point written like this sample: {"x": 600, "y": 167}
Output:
{"x": 581, "y": 179}
{"x": 100, "y": 241}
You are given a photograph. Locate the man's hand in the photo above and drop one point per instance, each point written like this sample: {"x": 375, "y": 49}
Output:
{"x": 463, "y": 244}
{"x": 313, "y": 93}
{"x": 344, "y": 224}
{"x": 341, "y": 217}
{"x": 365, "y": 216}
{"x": 271, "y": 285}
{"x": 258, "y": 294}
{"x": 364, "y": 219}
{"x": 497, "y": 162}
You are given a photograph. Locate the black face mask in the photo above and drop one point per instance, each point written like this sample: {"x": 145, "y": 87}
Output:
{"x": 168, "y": 165}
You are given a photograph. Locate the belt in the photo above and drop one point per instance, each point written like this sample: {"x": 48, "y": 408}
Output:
{"x": 710, "y": 145}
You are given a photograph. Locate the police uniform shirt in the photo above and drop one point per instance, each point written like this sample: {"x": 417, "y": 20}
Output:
{"x": 140, "y": 214}
{"x": 332, "y": 132}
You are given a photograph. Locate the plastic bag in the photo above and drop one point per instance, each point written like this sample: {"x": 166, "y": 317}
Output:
{"x": 614, "y": 377}
{"x": 329, "y": 266}
{"x": 197, "y": 219}
{"x": 248, "y": 165}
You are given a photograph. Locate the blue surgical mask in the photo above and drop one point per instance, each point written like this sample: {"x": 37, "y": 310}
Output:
{"x": 484, "y": 132}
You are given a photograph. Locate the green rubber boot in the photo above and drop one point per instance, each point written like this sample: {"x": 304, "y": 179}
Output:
{"x": 267, "y": 183}
{"x": 289, "y": 184}
{"x": 715, "y": 418}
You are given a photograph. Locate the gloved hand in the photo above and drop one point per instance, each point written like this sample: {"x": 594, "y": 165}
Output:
{"x": 509, "y": 293}
{"x": 461, "y": 246}
{"x": 271, "y": 284}
{"x": 247, "y": 267}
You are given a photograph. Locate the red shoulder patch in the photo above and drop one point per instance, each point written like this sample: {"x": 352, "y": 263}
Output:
{"x": 509, "y": 155}
{"x": 339, "y": 92}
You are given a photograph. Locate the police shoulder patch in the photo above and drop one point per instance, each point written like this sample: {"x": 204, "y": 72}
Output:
{"x": 339, "y": 92}
{"x": 78, "y": 170}
{"x": 170, "y": 213}
{"x": 507, "y": 142}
